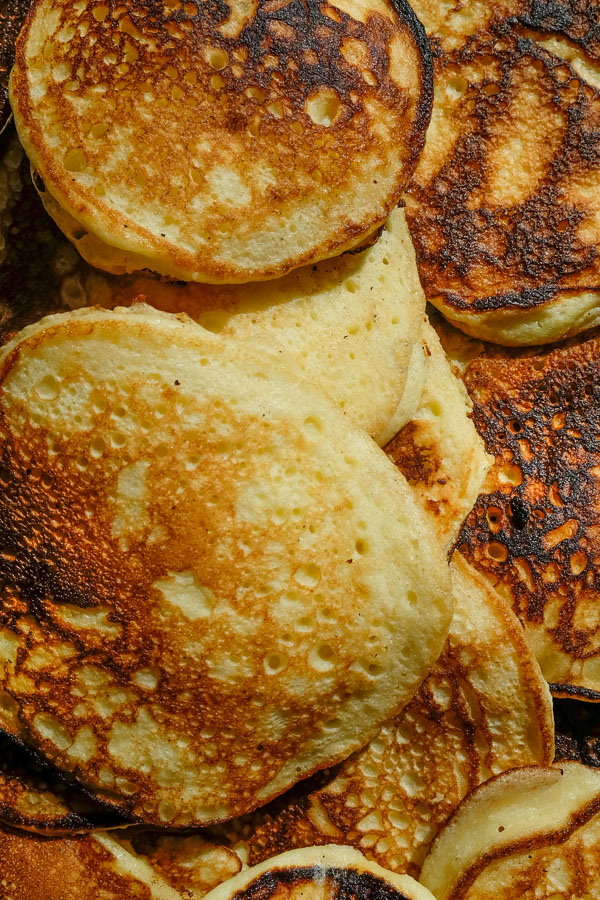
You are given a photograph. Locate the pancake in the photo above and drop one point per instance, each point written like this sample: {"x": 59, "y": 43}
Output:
{"x": 196, "y": 615}
{"x": 322, "y": 873}
{"x": 503, "y": 206}
{"x": 485, "y": 708}
{"x": 531, "y": 833}
{"x": 349, "y": 325}
{"x": 91, "y": 866}
{"x": 12, "y": 17}
{"x": 439, "y": 451}
{"x": 533, "y": 530}
{"x": 225, "y": 145}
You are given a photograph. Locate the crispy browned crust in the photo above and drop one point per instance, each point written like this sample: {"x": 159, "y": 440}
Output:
{"x": 285, "y": 53}
{"x": 535, "y": 530}
{"x": 579, "y": 20}
{"x": 577, "y": 732}
{"x": 12, "y": 16}
{"x": 481, "y": 255}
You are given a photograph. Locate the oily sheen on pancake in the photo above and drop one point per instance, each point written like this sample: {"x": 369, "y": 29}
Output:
{"x": 222, "y": 143}
{"x": 90, "y": 866}
{"x": 350, "y": 325}
{"x": 503, "y": 206}
{"x": 534, "y": 528}
{"x": 213, "y": 585}
{"x": 532, "y": 833}
{"x": 322, "y": 873}
{"x": 484, "y": 708}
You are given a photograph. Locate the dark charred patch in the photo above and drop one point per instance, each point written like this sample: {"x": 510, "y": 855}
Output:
{"x": 12, "y": 17}
{"x": 344, "y": 884}
{"x": 536, "y": 530}
{"x": 577, "y": 728}
{"x": 415, "y": 454}
{"x": 475, "y": 251}
{"x": 576, "y": 19}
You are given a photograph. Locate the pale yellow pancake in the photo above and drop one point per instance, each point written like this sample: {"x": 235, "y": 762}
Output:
{"x": 214, "y": 584}
{"x": 221, "y": 147}
{"x": 532, "y": 833}
{"x": 484, "y": 709}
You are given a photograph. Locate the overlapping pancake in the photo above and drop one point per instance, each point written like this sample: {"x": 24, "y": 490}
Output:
{"x": 349, "y": 325}
{"x": 90, "y": 866}
{"x": 533, "y": 833}
{"x": 503, "y": 207}
{"x": 534, "y": 530}
{"x": 439, "y": 451}
{"x": 213, "y": 585}
{"x": 485, "y": 708}
{"x": 322, "y": 873}
{"x": 221, "y": 144}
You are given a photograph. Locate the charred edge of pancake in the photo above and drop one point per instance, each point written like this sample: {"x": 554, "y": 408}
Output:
{"x": 36, "y": 767}
{"x": 515, "y": 403}
{"x": 577, "y": 732}
{"x": 12, "y": 17}
{"x": 423, "y": 117}
{"x": 572, "y": 690}
{"x": 539, "y": 235}
{"x": 350, "y": 884}
{"x": 578, "y": 21}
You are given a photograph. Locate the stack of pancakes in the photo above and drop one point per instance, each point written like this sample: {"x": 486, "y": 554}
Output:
{"x": 294, "y": 574}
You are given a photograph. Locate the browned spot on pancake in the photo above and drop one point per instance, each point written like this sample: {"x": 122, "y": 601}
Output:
{"x": 414, "y": 452}
{"x": 504, "y": 217}
{"x": 339, "y": 884}
{"x": 536, "y": 531}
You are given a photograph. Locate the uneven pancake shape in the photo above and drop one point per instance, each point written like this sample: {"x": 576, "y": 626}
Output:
{"x": 91, "y": 866}
{"x": 222, "y": 143}
{"x": 534, "y": 529}
{"x": 485, "y": 708}
{"x": 503, "y": 208}
{"x": 439, "y": 451}
{"x": 533, "y": 833}
{"x": 349, "y": 325}
{"x": 322, "y": 873}
{"x": 212, "y": 584}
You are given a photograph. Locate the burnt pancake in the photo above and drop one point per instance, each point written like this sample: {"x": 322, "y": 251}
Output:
{"x": 322, "y": 873}
{"x": 203, "y": 602}
{"x": 532, "y": 833}
{"x": 503, "y": 207}
{"x": 221, "y": 143}
{"x": 534, "y": 528}
{"x": 485, "y": 708}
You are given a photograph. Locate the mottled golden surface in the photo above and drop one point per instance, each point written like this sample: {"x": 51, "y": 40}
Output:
{"x": 320, "y": 873}
{"x": 213, "y": 585}
{"x": 94, "y": 867}
{"x": 222, "y": 143}
{"x": 503, "y": 208}
{"x": 534, "y": 529}
{"x": 485, "y": 708}
{"x": 189, "y": 863}
{"x": 533, "y": 833}
{"x": 439, "y": 451}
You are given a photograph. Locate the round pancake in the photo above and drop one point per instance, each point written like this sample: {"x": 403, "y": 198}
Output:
{"x": 322, "y": 873}
{"x": 350, "y": 325}
{"x": 534, "y": 528}
{"x": 439, "y": 451}
{"x": 532, "y": 833}
{"x": 214, "y": 584}
{"x": 503, "y": 206}
{"x": 222, "y": 145}
{"x": 91, "y": 866}
{"x": 485, "y": 708}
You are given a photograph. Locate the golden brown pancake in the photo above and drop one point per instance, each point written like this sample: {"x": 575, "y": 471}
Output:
{"x": 439, "y": 451}
{"x": 532, "y": 833}
{"x": 534, "y": 529}
{"x": 485, "y": 708}
{"x": 221, "y": 145}
{"x": 503, "y": 206}
{"x": 214, "y": 585}
{"x": 89, "y": 866}
{"x": 322, "y": 873}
